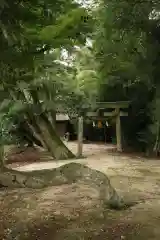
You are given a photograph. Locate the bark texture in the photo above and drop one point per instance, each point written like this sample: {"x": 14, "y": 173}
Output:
{"x": 42, "y": 126}
{"x": 43, "y": 130}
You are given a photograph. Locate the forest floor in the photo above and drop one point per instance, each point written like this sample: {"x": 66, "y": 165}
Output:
{"x": 73, "y": 212}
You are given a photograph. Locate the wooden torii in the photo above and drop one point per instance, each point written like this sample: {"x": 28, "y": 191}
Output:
{"x": 117, "y": 113}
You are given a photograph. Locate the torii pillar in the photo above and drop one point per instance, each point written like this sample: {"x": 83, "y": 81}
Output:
{"x": 118, "y": 131}
{"x": 80, "y": 137}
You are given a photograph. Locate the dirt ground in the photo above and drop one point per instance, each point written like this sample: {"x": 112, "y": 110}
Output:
{"x": 74, "y": 211}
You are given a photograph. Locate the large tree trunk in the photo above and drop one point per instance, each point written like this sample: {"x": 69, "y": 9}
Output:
{"x": 51, "y": 140}
{"x": 44, "y": 132}
{"x": 53, "y": 118}
{"x": 48, "y": 133}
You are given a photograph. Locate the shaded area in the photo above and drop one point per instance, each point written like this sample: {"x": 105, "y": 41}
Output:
{"x": 48, "y": 214}
{"x": 93, "y": 133}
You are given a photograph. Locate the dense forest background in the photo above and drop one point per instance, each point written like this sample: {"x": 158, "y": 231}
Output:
{"x": 64, "y": 54}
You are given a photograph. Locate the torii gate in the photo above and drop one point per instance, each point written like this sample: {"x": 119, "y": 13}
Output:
{"x": 117, "y": 106}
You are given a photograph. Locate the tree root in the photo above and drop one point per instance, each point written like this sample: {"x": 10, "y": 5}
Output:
{"x": 66, "y": 174}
